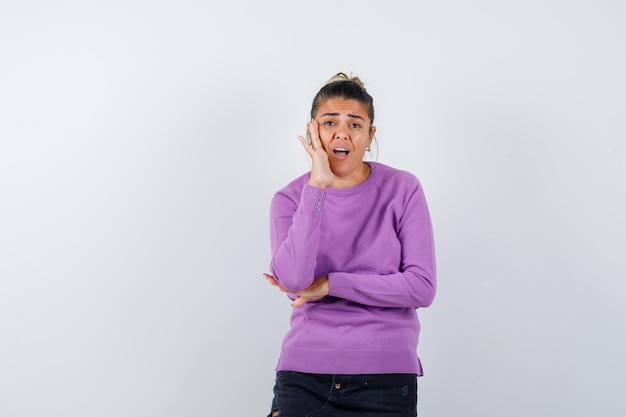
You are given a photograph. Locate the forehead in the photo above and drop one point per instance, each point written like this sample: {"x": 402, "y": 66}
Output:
{"x": 343, "y": 108}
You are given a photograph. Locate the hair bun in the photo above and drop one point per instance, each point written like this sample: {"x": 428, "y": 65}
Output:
{"x": 340, "y": 76}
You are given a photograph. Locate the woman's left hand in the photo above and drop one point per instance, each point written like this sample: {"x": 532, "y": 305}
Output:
{"x": 317, "y": 290}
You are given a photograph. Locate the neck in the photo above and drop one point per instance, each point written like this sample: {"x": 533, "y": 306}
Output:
{"x": 351, "y": 181}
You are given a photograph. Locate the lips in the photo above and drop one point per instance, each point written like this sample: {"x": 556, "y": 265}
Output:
{"x": 341, "y": 151}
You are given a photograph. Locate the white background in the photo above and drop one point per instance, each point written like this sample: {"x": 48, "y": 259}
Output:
{"x": 141, "y": 143}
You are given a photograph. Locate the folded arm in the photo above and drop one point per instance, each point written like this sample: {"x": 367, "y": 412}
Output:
{"x": 294, "y": 236}
{"x": 414, "y": 283}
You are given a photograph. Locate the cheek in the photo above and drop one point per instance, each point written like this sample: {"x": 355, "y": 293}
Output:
{"x": 324, "y": 131}
{"x": 325, "y": 138}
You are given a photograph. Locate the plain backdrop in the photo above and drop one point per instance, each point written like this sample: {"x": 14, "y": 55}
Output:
{"x": 141, "y": 143}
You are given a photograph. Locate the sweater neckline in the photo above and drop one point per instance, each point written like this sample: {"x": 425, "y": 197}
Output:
{"x": 360, "y": 187}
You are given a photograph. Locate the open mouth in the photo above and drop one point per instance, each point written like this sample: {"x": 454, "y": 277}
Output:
{"x": 341, "y": 151}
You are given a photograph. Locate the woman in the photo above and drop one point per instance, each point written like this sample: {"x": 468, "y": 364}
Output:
{"x": 352, "y": 246}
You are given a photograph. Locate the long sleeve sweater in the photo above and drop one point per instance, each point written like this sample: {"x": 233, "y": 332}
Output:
{"x": 374, "y": 241}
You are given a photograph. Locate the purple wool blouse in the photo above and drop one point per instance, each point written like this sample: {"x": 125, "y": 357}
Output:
{"x": 375, "y": 242}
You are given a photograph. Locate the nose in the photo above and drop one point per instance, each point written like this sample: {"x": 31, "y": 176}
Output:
{"x": 341, "y": 132}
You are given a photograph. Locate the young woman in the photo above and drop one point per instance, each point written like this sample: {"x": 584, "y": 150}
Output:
{"x": 352, "y": 246}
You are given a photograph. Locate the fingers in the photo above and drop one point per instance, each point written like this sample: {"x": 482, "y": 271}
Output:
{"x": 314, "y": 135}
{"x": 313, "y": 143}
{"x": 275, "y": 283}
{"x": 299, "y": 302}
{"x": 305, "y": 145}
{"x": 309, "y": 294}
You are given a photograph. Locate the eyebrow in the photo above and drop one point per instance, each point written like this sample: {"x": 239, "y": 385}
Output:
{"x": 354, "y": 116}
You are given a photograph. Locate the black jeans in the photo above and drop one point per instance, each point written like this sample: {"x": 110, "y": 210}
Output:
{"x": 299, "y": 394}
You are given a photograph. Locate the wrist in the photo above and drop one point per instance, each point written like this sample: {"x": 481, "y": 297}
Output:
{"x": 316, "y": 184}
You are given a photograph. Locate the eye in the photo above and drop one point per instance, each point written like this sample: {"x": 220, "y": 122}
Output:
{"x": 355, "y": 125}
{"x": 329, "y": 123}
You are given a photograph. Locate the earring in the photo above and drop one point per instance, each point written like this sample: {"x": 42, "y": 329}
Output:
{"x": 367, "y": 149}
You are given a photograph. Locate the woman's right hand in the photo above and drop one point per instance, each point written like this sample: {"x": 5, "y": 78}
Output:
{"x": 321, "y": 174}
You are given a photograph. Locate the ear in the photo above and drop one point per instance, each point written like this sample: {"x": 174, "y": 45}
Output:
{"x": 372, "y": 133}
